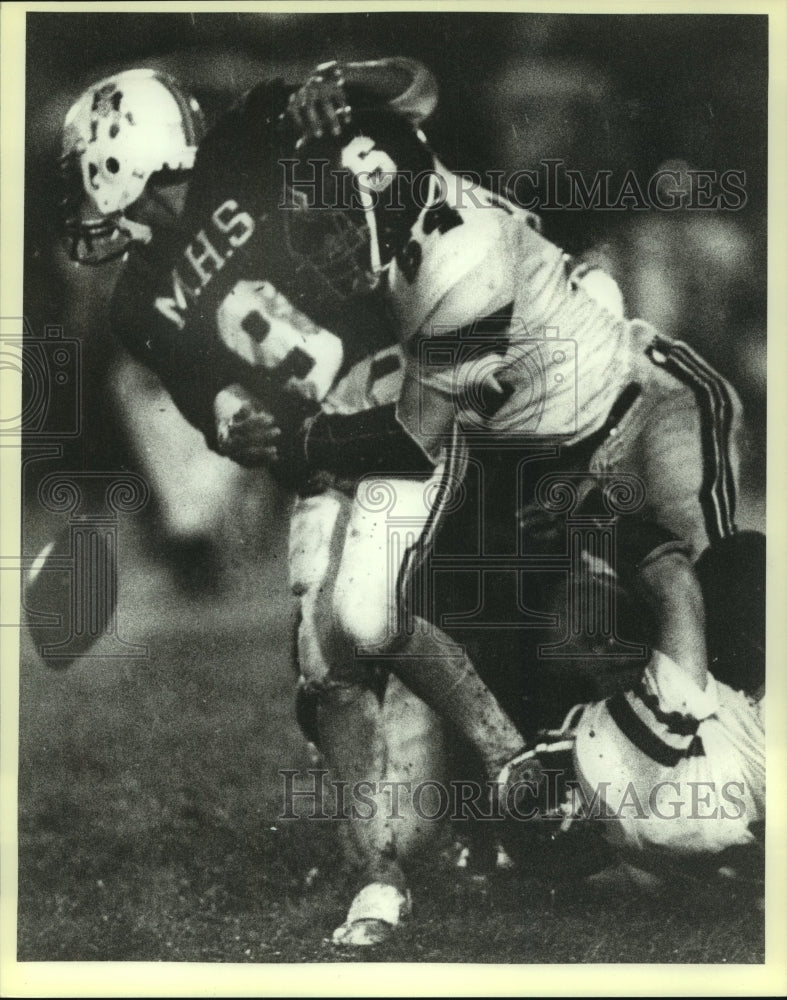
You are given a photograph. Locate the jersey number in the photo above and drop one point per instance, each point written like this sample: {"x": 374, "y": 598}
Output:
{"x": 442, "y": 218}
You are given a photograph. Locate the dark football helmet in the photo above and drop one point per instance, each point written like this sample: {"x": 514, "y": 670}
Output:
{"x": 121, "y": 131}
{"x": 351, "y": 200}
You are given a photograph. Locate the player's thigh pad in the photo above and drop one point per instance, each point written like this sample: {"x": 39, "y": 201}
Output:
{"x": 315, "y": 523}
{"x": 388, "y": 516}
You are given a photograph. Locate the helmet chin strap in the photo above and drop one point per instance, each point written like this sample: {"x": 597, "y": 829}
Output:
{"x": 367, "y": 204}
{"x": 138, "y": 231}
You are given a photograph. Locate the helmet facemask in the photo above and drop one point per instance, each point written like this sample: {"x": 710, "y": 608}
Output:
{"x": 330, "y": 249}
{"x": 350, "y": 203}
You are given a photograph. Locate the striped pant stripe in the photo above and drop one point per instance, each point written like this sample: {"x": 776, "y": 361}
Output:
{"x": 717, "y": 495}
{"x": 453, "y": 474}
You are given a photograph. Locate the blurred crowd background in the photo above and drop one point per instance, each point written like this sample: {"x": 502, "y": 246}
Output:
{"x": 612, "y": 93}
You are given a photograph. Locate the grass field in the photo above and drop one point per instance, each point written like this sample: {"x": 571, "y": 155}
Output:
{"x": 148, "y": 827}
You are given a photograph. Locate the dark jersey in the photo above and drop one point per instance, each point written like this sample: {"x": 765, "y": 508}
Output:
{"x": 215, "y": 300}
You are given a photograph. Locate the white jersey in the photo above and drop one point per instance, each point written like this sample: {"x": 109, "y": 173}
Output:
{"x": 375, "y": 380}
{"x": 670, "y": 768}
{"x": 480, "y": 257}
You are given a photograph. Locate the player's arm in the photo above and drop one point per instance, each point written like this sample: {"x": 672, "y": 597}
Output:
{"x": 329, "y": 446}
{"x": 327, "y": 97}
{"x": 192, "y": 368}
{"x": 670, "y": 588}
{"x": 656, "y": 567}
{"x": 405, "y": 438}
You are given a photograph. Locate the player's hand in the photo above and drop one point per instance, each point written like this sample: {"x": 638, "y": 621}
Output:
{"x": 251, "y": 439}
{"x": 250, "y": 435}
{"x": 245, "y": 431}
{"x": 320, "y": 105}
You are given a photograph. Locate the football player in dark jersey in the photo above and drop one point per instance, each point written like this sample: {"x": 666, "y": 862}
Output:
{"x": 129, "y": 144}
{"x": 211, "y": 305}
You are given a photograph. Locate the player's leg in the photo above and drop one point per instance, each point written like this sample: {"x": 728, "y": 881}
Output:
{"x": 380, "y": 741}
{"x": 408, "y": 744}
{"x": 685, "y": 445}
{"x": 365, "y": 613}
{"x": 197, "y": 494}
{"x": 682, "y": 438}
{"x": 369, "y": 730}
{"x": 343, "y": 703}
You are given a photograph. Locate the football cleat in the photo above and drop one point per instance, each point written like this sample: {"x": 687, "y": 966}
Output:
{"x": 374, "y": 916}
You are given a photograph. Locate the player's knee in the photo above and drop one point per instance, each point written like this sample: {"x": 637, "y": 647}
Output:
{"x": 672, "y": 571}
{"x": 327, "y": 656}
{"x": 359, "y": 624}
{"x": 673, "y": 588}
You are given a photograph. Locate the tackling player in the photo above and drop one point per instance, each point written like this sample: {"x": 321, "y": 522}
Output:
{"x": 459, "y": 265}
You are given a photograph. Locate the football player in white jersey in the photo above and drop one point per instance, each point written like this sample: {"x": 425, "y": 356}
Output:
{"x": 457, "y": 265}
{"x": 344, "y": 564}
{"x": 669, "y": 771}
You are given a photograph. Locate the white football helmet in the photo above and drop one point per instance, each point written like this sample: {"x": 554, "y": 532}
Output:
{"x": 121, "y": 131}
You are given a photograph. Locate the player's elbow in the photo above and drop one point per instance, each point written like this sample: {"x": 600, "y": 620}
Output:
{"x": 671, "y": 575}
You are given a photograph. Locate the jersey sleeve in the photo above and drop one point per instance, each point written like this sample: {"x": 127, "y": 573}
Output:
{"x": 239, "y": 147}
{"x": 371, "y": 441}
{"x": 405, "y": 84}
{"x": 668, "y": 768}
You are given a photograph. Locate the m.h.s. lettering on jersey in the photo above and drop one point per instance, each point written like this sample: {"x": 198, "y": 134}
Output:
{"x": 204, "y": 257}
